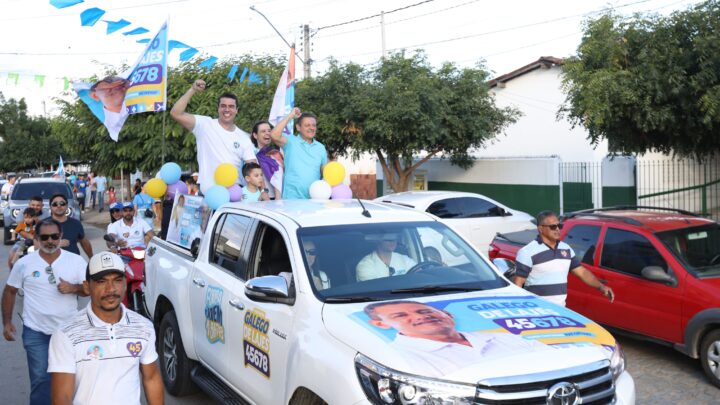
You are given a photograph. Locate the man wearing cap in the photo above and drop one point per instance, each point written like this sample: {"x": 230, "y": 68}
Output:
{"x": 384, "y": 261}
{"x": 98, "y": 356}
{"x": 51, "y": 279}
{"x": 130, "y": 231}
{"x": 72, "y": 230}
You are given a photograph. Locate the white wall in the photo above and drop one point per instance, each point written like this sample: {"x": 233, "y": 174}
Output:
{"x": 537, "y": 133}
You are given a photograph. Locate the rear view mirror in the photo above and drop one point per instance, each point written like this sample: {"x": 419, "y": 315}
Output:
{"x": 506, "y": 266}
{"x": 657, "y": 273}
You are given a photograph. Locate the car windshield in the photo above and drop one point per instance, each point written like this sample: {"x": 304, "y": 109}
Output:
{"x": 25, "y": 191}
{"x": 698, "y": 247}
{"x": 367, "y": 262}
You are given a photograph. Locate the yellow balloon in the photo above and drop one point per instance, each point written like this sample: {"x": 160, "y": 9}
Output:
{"x": 155, "y": 188}
{"x": 334, "y": 173}
{"x": 226, "y": 175}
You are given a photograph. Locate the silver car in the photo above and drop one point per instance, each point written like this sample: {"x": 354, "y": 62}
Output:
{"x": 24, "y": 190}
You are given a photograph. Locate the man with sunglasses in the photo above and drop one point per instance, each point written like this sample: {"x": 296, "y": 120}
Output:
{"x": 130, "y": 231}
{"x": 51, "y": 279}
{"x": 72, "y": 230}
{"x": 543, "y": 265}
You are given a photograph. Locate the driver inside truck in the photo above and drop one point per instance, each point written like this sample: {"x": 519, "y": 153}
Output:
{"x": 384, "y": 261}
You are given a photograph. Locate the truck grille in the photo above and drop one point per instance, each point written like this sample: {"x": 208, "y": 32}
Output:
{"x": 593, "y": 384}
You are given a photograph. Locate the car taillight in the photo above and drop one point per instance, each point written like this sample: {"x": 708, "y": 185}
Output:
{"x": 493, "y": 252}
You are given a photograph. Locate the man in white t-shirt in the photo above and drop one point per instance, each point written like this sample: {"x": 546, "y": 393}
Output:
{"x": 428, "y": 338}
{"x": 218, "y": 140}
{"x": 384, "y": 261}
{"x": 51, "y": 279}
{"x": 98, "y": 355}
{"x": 130, "y": 231}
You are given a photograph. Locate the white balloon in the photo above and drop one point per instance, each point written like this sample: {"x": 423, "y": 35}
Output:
{"x": 320, "y": 190}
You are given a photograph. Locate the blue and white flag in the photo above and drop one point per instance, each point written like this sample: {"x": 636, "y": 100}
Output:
{"x": 60, "y": 172}
{"x": 284, "y": 99}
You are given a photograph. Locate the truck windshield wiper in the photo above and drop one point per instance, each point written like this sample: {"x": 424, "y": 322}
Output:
{"x": 433, "y": 288}
{"x": 351, "y": 299}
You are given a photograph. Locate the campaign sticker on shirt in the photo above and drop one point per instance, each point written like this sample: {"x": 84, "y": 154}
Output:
{"x": 236, "y": 145}
{"x": 36, "y": 274}
{"x": 95, "y": 352}
{"x": 214, "y": 329}
{"x": 126, "y": 234}
{"x": 564, "y": 253}
{"x": 134, "y": 348}
{"x": 256, "y": 342}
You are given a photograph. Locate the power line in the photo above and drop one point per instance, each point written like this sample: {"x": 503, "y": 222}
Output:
{"x": 373, "y": 16}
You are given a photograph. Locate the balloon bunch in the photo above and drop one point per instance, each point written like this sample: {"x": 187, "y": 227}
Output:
{"x": 331, "y": 186}
{"x": 225, "y": 189}
{"x": 167, "y": 183}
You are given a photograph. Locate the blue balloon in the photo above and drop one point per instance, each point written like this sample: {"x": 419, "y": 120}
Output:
{"x": 170, "y": 173}
{"x": 216, "y": 196}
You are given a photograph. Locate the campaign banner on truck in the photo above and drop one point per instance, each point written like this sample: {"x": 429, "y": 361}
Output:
{"x": 141, "y": 89}
{"x": 188, "y": 220}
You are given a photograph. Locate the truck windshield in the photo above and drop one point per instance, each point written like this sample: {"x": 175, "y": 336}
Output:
{"x": 25, "y": 191}
{"x": 392, "y": 260}
{"x": 698, "y": 247}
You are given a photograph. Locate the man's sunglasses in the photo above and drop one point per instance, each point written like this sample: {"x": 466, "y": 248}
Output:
{"x": 554, "y": 227}
{"x": 59, "y": 204}
{"x": 45, "y": 237}
{"x": 51, "y": 276}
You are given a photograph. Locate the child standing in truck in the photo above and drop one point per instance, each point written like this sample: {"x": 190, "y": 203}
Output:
{"x": 255, "y": 189}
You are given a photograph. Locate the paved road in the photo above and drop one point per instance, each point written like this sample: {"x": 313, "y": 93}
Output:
{"x": 662, "y": 375}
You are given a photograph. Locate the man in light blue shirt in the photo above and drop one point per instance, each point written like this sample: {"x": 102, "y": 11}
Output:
{"x": 304, "y": 156}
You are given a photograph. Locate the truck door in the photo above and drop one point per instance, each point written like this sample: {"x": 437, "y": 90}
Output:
{"x": 260, "y": 336}
{"x": 210, "y": 290}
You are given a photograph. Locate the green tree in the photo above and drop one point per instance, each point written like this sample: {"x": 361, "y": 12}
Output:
{"x": 403, "y": 108}
{"x": 146, "y": 138}
{"x": 27, "y": 142}
{"x": 649, "y": 82}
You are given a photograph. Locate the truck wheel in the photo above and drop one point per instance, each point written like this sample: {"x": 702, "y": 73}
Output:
{"x": 174, "y": 364}
{"x": 710, "y": 356}
{"x": 7, "y": 236}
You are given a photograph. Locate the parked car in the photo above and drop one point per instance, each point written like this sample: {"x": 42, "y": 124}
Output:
{"x": 268, "y": 309}
{"x": 26, "y": 188}
{"x": 474, "y": 216}
{"x": 664, "y": 266}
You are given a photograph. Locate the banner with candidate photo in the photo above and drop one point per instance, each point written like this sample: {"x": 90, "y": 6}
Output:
{"x": 142, "y": 89}
{"x": 188, "y": 220}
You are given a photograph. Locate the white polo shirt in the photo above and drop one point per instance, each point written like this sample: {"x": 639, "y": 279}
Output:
{"x": 105, "y": 358}
{"x": 44, "y": 307}
{"x": 372, "y": 266}
{"x": 216, "y": 145}
{"x": 134, "y": 234}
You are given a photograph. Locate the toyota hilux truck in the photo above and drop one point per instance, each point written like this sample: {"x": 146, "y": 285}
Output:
{"x": 355, "y": 302}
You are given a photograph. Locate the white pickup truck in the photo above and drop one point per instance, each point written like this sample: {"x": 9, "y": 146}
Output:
{"x": 349, "y": 302}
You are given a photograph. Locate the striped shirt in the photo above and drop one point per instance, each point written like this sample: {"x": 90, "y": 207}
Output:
{"x": 105, "y": 358}
{"x": 546, "y": 269}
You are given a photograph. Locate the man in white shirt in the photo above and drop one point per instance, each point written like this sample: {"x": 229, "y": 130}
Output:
{"x": 384, "y": 261}
{"x": 51, "y": 279}
{"x": 97, "y": 357}
{"x": 432, "y": 343}
{"x": 218, "y": 140}
{"x": 130, "y": 231}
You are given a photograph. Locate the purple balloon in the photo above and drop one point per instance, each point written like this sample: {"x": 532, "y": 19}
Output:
{"x": 179, "y": 187}
{"x": 341, "y": 192}
{"x": 235, "y": 193}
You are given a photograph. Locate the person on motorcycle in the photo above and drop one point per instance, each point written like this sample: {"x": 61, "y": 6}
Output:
{"x": 130, "y": 232}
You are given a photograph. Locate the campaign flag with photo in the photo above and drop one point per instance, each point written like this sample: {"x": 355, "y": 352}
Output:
{"x": 284, "y": 99}
{"x": 142, "y": 89}
{"x": 188, "y": 220}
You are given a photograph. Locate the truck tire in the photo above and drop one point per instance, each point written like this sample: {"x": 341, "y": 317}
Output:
{"x": 175, "y": 366}
{"x": 710, "y": 356}
{"x": 7, "y": 236}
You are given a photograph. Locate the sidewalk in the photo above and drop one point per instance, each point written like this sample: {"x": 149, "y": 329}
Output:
{"x": 99, "y": 219}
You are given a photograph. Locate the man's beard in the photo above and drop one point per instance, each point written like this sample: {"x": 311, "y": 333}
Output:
{"x": 49, "y": 249}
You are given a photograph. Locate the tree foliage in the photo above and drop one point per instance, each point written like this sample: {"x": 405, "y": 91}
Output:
{"x": 148, "y": 138}
{"x": 27, "y": 142}
{"x": 649, "y": 82}
{"x": 403, "y": 108}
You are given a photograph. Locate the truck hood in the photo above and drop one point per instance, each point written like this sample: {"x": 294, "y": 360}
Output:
{"x": 494, "y": 336}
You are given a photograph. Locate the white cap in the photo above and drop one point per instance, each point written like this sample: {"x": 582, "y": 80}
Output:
{"x": 104, "y": 263}
{"x": 195, "y": 174}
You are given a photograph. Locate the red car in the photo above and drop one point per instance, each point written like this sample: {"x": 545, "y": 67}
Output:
{"x": 664, "y": 266}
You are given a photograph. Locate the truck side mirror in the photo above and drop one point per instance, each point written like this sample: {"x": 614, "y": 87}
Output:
{"x": 268, "y": 289}
{"x": 195, "y": 248}
{"x": 656, "y": 273}
{"x": 506, "y": 266}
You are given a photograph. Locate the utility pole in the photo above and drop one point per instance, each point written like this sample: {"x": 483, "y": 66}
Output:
{"x": 382, "y": 32}
{"x": 306, "y": 50}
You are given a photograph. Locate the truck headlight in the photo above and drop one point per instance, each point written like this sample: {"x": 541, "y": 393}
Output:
{"x": 14, "y": 213}
{"x": 617, "y": 361}
{"x": 68, "y": 212}
{"x": 383, "y": 385}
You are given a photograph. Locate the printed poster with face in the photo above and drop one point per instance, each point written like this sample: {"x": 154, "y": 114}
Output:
{"x": 141, "y": 89}
{"x": 188, "y": 220}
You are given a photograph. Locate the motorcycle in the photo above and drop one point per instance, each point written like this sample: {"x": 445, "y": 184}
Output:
{"x": 134, "y": 275}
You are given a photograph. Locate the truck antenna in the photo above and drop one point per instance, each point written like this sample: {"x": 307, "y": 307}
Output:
{"x": 365, "y": 212}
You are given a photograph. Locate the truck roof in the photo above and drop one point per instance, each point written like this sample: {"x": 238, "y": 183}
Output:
{"x": 310, "y": 213}
{"x": 656, "y": 220}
